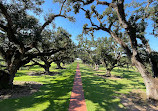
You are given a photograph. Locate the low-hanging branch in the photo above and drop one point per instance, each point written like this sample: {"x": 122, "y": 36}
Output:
{"x": 49, "y": 53}
{"x": 53, "y": 17}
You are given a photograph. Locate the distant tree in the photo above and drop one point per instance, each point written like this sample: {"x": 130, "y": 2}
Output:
{"x": 55, "y": 40}
{"x": 97, "y": 61}
{"x": 102, "y": 51}
{"x": 46, "y": 44}
{"x": 85, "y": 51}
{"x": 110, "y": 54}
{"x": 63, "y": 40}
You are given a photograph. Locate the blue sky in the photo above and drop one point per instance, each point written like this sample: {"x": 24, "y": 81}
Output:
{"x": 75, "y": 28}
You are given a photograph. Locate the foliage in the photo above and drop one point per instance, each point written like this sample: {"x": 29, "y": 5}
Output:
{"x": 63, "y": 40}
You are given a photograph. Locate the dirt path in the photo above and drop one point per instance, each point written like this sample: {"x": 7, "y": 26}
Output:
{"x": 77, "y": 100}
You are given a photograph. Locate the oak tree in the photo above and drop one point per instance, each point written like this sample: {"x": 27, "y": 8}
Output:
{"x": 116, "y": 16}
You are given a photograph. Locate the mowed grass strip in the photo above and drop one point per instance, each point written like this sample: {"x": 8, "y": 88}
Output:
{"x": 53, "y": 95}
{"x": 103, "y": 94}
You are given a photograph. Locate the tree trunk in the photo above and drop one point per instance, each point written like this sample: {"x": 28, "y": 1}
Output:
{"x": 4, "y": 79}
{"x": 150, "y": 82}
{"x": 47, "y": 69}
{"x": 58, "y": 65}
{"x": 96, "y": 67}
{"x": 12, "y": 71}
{"x": 108, "y": 73}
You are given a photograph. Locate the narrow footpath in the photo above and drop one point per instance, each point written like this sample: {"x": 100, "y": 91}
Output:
{"x": 77, "y": 100}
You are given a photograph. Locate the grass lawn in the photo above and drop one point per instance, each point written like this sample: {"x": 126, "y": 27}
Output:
{"x": 53, "y": 95}
{"x": 100, "y": 93}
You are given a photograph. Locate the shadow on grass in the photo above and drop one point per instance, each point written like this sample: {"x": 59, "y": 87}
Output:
{"x": 18, "y": 74}
{"x": 53, "y": 96}
{"x": 125, "y": 73}
{"x": 131, "y": 75}
{"x": 104, "y": 92}
{"x": 101, "y": 91}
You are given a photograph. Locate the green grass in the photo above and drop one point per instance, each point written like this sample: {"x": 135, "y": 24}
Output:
{"x": 100, "y": 93}
{"x": 53, "y": 95}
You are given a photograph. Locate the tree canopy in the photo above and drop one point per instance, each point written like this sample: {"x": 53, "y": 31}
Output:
{"x": 22, "y": 34}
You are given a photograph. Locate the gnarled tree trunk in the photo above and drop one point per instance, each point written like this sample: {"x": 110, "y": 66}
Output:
{"x": 108, "y": 72}
{"x": 7, "y": 78}
{"x": 150, "y": 82}
{"x": 46, "y": 68}
{"x": 4, "y": 79}
{"x": 12, "y": 68}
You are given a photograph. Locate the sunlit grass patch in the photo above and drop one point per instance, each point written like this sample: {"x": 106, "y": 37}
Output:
{"x": 53, "y": 95}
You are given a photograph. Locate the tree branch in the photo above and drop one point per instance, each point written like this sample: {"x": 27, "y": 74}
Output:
{"x": 9, "y": 29}
{"x": 50, "y": 20}
{"x": 110, "y": 25}
{"x": 124, "y": 46}
{"x": 149, "y": 2}
{"x": 103, "y": 2}
{"x": 122, "y": 18}
{"x": 88, "y": 2}
{"x": 62, "y": 7}
{"x": 52, "y": 51}
{"x": 37, "y": 63}
{"x": 53, "y": 17}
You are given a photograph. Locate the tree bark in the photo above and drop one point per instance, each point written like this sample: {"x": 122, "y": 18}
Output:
{"x": 13, "y": 67}
{"x": 150, "y": 82}
{"x": 47, "y": 70}
{"x": 4, "y": 79}
{"x": 46, "y": 67}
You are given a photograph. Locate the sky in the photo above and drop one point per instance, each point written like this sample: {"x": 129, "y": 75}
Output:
{"x": 75, "y": 28}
